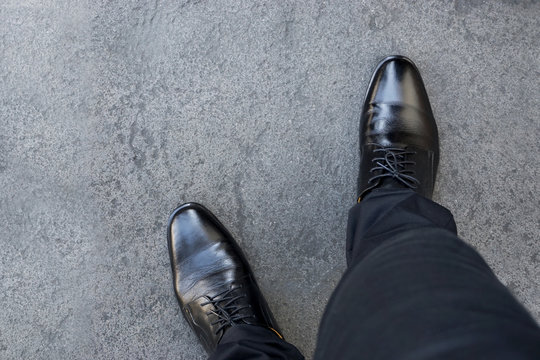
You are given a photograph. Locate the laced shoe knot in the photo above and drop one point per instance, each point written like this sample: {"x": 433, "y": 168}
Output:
{"x": 226, "y": 308}
{"x": 393, "y": 162}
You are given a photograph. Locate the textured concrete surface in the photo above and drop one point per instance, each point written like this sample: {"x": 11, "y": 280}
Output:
{"x": 114, "y": 112}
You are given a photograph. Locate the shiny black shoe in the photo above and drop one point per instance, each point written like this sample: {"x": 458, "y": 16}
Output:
{"x": 212, "y": 279}
{"x": 399, "y": 142}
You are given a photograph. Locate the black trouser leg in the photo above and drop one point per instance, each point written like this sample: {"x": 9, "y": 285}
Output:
{"x": 414, "y": 290}
{"x": 253, "y": 342}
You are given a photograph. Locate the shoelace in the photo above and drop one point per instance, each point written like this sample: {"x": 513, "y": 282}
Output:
{"x": 227, "y": 312}
{"x": 393, "y": 163}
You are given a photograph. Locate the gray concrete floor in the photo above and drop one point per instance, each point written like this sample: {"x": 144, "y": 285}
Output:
{"x": 114, "y": 112}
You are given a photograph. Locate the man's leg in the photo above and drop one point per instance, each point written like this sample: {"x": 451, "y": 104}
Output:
{"x": 414, "y": 290}
{"x": 253, "y": 342}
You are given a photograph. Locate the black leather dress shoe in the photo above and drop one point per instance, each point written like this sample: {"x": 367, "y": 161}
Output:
{"x": 212, "y": 279}
{"x": 399, "y": 142}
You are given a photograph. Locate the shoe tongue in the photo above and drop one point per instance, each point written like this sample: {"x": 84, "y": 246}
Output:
{"x": 391, "y": 183}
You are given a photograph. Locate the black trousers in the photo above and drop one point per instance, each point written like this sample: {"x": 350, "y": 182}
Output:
{"x": 412, "y": 290}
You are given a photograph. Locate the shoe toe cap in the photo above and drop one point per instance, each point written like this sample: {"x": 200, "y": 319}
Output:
{"x": 397, "y": 81}
{"x": 191, "y": 229}
{"x": 203, "y": 254}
